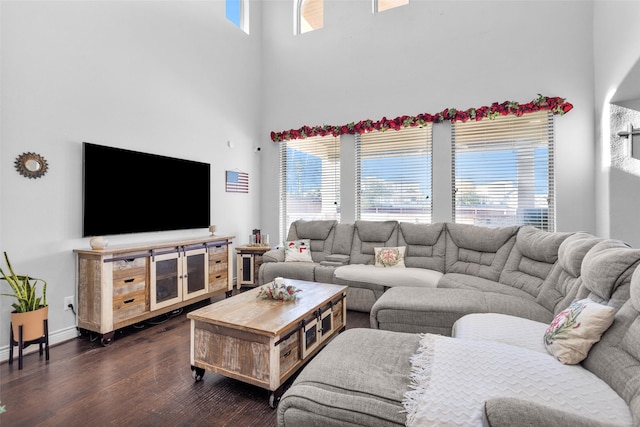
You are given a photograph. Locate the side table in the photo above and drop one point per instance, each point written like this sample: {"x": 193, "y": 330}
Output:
{"x": 249, "y": 260}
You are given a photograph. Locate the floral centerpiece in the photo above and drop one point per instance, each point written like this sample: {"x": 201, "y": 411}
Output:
{"x": 277, "y": 290}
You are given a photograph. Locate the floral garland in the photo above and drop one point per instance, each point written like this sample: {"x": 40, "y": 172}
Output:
{"x": 555, "y": 105}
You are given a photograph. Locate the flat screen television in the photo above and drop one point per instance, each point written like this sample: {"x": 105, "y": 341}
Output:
{"x": 127, "y": 191}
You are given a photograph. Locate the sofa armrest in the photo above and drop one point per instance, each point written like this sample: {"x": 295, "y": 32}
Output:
{"x": 509, "y": 412}
{"x": 274, "y": 255}
{"x": 336, "y": 260}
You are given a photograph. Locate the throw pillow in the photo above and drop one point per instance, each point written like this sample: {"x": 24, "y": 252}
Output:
{"x": 389, "y": 257}
{"x": 298, "y": 251}
{"x": 575, "y": 330}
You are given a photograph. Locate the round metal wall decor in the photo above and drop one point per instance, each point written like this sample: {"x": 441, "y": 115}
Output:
{"x": 31, "y": 165}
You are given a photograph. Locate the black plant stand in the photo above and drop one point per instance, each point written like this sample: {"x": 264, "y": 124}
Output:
{"x": 24, "y": 344}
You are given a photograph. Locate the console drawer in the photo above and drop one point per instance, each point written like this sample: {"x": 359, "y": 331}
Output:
{"x": 129, "y": 266}
{"x": 289, "y": 354}
{"x": 129, "y": 288}
{"x": 218, "y": 251}
{"x": 128, "y": 305}
{"x": 218, "y": 265}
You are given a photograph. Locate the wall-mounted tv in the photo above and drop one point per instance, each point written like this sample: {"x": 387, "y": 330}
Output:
{"x": 127, "y": 191}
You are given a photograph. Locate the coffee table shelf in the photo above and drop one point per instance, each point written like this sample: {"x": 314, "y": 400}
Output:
{"x": 264, "y": 342}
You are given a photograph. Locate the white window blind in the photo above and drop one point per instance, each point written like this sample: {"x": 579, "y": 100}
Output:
{"x": 503, "y": 171}
{"x": 309, "y": 180}
{"x": 393, "y": 175}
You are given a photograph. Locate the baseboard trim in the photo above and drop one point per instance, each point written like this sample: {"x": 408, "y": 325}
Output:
{"x": 54, "y": 338}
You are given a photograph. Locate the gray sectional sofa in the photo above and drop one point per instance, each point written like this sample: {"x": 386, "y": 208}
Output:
{"x": 487, "y": 292}
{"x": 506, "y": 266}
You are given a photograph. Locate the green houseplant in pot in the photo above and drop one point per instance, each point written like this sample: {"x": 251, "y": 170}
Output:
{"x": 30, "y": 308}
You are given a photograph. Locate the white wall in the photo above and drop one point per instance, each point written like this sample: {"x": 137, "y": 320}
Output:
{"x": 616, "y": 51}
{"x": 172, "y": 78}
{"x": 428, "y": 56}
{"x": 175, "y": 78}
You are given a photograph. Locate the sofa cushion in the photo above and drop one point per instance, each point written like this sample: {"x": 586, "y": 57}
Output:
{"x": 606, "y": 272}
{"x": 574, "y": 330}
{"x": 337, "y": 259}
{"x": 631, "y": 339}
{"x": 320, "y": 233}
{"x": 615, "y": 358}
{"x": 290, "y": 270}
{"x": 358, "y": 379}
{"x": 509, "y": 412}
{"x": 465, "y": 281}
{"x": 360, "y": 275}
{"x": 531, "y": 259}
{"x": 425, "y": 245}
{"x": 298, "y": 251}
{"x": 316, "y": 230}
{"x": 435, "y": 311}
{"x": 445, "y": 368}
{"x": 323, "y": 273}
{"x": 273, "y": 255}
{"x": 561, "y": 285}
{"x": 389, "y": 257}
{"x": 343, "y": 239}
{"x": 502, "y": 328}
{"x": 369, "y": 235}
{"x": 478, "y": 251}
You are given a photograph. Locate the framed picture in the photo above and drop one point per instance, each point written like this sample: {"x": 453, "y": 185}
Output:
{"x": 237, "y": 182}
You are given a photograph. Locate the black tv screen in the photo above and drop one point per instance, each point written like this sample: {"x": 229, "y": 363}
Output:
{"x": 128, "y": 191}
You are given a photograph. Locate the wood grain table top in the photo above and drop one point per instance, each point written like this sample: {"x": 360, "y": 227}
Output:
{"x": 247, "y": 312}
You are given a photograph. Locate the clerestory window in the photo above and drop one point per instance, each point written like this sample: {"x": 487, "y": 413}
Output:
{"x": 308, "y": 15}
{"x": 237, "y": 11}
{"x": 382, "y": 5}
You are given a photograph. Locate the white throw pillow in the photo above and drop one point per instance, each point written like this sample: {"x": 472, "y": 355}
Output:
{"x": 576, "y": 329}
{"x": 298, "y": 251}
{"x": 389, "y": 257}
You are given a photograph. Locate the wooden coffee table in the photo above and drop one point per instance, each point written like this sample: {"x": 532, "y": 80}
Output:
{"x": 264, "y": 342}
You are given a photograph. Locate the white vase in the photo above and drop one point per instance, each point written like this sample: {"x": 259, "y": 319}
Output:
{"x": 98, "y": 242}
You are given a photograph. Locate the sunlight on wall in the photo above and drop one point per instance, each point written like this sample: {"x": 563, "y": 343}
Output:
{"x": 620, "y": 119}
{"x": 605, "y": 123}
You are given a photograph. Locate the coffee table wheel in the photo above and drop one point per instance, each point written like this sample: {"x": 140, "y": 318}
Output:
{"x": 107, "y": 338}
{"x": 274, "y": 397}
{"x": 197, "y": 373}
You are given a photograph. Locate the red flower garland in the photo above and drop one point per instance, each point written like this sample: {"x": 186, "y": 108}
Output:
{"x": 555, "y": 105}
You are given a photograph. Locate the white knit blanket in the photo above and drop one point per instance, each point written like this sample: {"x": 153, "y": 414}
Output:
{"x": 452, "y": 378}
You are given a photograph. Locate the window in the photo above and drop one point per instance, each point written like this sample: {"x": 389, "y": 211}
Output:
{"x": 393, "y": 175}
{"x": 308, "y": 15}
{"x": 503, "y": 171}
{"x": 309, "y": 180}
{"x": 382, "y": 5}
{"x": 237, "y": 11}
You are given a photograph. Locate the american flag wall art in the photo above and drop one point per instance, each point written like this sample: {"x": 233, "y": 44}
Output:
{"x": 237, "y": 182}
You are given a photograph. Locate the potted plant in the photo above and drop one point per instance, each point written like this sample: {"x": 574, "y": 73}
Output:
{"x": 29, "y": 310}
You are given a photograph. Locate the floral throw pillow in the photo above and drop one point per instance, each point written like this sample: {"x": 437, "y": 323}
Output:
{"x": 298, "y": 251}
{"x": 575, "y": 330}
{"x": 389, "y": 257}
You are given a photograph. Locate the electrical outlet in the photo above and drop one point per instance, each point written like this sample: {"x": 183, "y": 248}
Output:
{"x": 67, "y": 301}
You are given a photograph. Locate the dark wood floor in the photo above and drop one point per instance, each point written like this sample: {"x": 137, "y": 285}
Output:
{"x": 142, "y": 379}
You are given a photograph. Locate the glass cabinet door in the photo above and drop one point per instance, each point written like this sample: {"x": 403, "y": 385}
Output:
{"x": 195, "y": 273}
{"x": 178, "y": 276}
{"x": 166, "y": 280}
